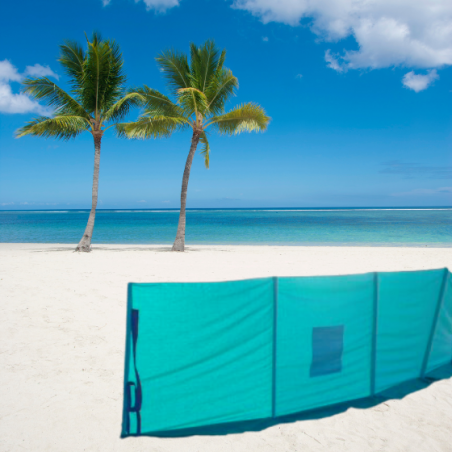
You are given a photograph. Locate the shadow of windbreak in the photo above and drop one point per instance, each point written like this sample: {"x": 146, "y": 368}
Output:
{"x": 155, "y": 249}
{"x": 112, "y": 248}
{"x": 395, "y": 393}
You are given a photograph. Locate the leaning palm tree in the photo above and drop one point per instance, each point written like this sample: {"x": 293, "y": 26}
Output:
{"x": 97, "y": 101}
{"x": 200, "y": 89}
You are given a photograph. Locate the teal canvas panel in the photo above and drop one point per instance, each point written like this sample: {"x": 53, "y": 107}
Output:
{"x": 406, "y": 314}
{"x": 441, "y": 351}
{"x": 201, "y": 356}
{"x": 204, "y": 354}
{"x": 304, "y": 306}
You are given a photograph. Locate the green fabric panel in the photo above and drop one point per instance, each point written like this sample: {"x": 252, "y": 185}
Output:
{"x": 407, "y": 305}
{"x": 307, "y": 303}
{"x": 204, "y": 352}
{"x": 441, "y": 352}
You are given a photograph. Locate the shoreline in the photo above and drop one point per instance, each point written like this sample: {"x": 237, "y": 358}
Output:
{"x": 194, "y": 246}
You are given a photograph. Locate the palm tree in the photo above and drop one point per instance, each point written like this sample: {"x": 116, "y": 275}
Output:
{"x": 201, "y": 88}
{"x": 97, "y": 101}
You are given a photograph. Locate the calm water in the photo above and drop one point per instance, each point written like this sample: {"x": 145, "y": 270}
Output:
{"x": 395, "y": 227}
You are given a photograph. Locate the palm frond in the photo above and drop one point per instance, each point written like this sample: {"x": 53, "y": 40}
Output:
{"x": 174, "y": 66}
{"x": 244, "y": 118}
{"x": 53, "y": 95}
{"x": 155, "y": 127}
{"x": 156, "y": 103}
{"x": 72, "y": 58}
{"x": 62, "y": 127}
{"x": 113, "y": 86}
{"x": 104, "y": 79}
{"x": 221, "y": 60}
{"x": 203, "y": 64}
{"x": 222, "y": 86}
{"x": 205, "y": 149}
{"x": 160, "y": 118}
{"x": 122, "y": 107}
{"x": 192, "y": 101}
{"x": 98, "y": 93}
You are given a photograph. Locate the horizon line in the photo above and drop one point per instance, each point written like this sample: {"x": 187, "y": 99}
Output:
{"x": 176, "y": 209}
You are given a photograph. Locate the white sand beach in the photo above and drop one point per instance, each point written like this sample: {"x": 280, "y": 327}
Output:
{"x": 62, "y": 349}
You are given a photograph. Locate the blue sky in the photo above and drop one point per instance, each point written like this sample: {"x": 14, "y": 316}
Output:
{"x": 360, "y": 102}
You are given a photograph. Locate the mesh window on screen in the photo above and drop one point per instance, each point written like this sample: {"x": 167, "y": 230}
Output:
{"x": 327, "y": 348}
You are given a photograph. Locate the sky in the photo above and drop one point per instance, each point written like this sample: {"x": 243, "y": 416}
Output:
{"x": 359, "y": 93}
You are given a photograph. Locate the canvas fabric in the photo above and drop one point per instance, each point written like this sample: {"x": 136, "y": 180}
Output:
{"x": 200, "y": 355}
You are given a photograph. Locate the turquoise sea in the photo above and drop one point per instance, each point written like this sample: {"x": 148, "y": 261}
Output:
{"x": 292, "y": 226}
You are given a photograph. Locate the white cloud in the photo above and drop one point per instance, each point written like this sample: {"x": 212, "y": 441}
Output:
{"x": 411, "y": 33}
{"x": 299, "y": 76}
{"x": 265, "y": 39}
{"x": 8, "y": 72}
{"x": 19, "y": 103}
{"x": 419, "y": 82}
{"x": 40, "y": 71}
{"x": 333, "y": 62}
{"x": 159, "y": 6}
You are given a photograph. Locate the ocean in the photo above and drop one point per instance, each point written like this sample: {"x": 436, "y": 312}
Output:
{"x": 430, "y": 227}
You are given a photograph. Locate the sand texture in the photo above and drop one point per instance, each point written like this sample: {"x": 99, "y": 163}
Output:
{"x": 62, "y": 350}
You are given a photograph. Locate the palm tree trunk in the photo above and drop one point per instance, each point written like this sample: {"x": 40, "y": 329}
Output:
{"x": 179, "y": 243}
{"x": 85, "y": 243}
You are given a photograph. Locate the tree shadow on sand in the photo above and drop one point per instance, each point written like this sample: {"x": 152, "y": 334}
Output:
{"x": 113, "y": 248}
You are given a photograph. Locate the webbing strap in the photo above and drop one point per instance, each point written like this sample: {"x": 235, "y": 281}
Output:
{"x": 137, "y": 386}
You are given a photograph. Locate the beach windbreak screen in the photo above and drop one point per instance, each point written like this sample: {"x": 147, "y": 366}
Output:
{"x": 206, "y": 355}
